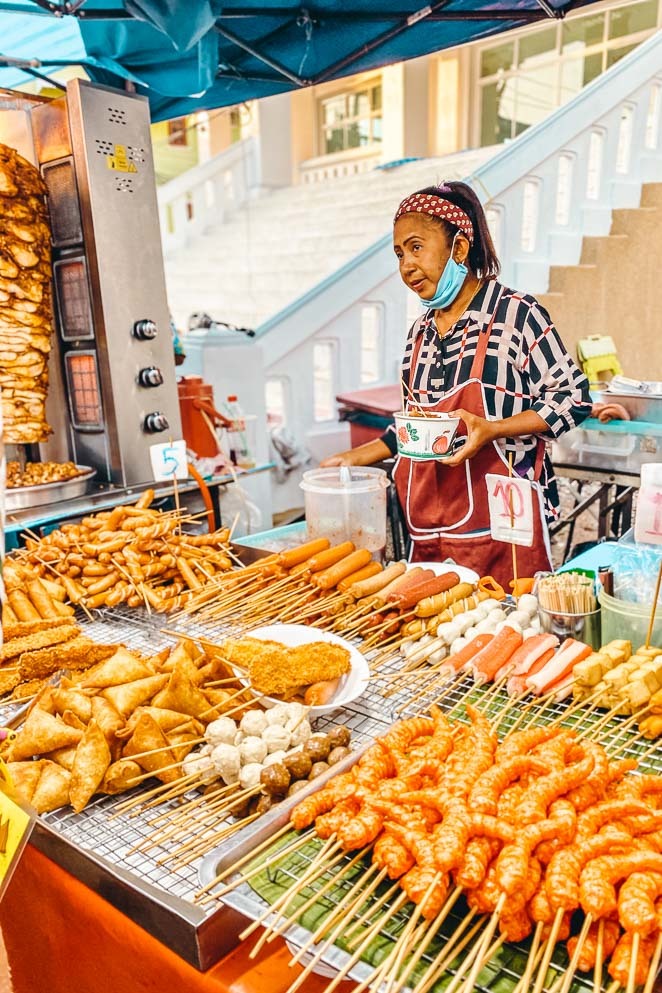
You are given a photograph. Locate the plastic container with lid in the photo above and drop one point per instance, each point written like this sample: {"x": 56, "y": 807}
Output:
{"x": 347, "y": 504}
{"x": 628, "y": 620}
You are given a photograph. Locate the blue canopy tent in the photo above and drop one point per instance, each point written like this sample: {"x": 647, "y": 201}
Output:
{"x": 191, "y": 55}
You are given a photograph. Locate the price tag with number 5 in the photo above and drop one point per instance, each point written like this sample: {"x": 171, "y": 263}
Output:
{"x": 169, "y": 461}
{"x": 511, "y": 509}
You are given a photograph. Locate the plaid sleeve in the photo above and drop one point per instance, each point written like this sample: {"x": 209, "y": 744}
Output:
{"x": 559, "y": 389}
{"x": 390, "y": 440}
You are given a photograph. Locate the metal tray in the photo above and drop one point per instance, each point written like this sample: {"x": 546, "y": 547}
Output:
{"x": 98, "y": 846}
{"x": 246, "y": 901}
{"x": 24, "y": 497}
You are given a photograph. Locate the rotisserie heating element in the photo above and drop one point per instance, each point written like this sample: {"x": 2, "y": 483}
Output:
{"x": 116, "y": 373}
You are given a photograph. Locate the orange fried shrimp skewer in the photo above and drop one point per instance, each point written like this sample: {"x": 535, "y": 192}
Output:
{"x": 597, "y": 893}
{"x": 619, "y": 963}
{"x": 636, "y": 902}
{"x": 587, "y": 957}
{"x": 565, "y": 866}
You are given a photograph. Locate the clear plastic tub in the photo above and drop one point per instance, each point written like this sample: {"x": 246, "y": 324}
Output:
{"x": 624, "y": 619}
{"x": 347, "y": 504}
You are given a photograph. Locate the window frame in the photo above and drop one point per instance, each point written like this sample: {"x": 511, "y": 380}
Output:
{"x": 332, "y": 344}
{"x": 365, "y": 86}
{"x": 557, "y": 58}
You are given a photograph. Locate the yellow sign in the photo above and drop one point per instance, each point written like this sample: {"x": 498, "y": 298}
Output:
{"x": 15, "y": 827}
{"x": 119, "y": 161}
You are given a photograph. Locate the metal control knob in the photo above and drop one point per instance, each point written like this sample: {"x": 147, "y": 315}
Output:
{"x": 155, "y": 422}
{"x": 150, "y": 376}
{"x": 145, "y": 330}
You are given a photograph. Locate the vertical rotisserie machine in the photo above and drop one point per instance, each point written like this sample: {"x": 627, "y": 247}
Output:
{"x": 113, "y": 391}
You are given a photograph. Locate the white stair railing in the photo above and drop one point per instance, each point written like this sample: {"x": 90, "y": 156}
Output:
{"x": 201, "y": 197}
{"x": 560, "y": 180}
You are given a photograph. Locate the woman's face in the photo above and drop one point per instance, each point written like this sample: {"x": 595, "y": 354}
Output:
{"x": 423, "y": 249}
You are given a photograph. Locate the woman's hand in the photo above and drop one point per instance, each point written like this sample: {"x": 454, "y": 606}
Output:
{"x": 366, "y": 454}
{"x": 344, "y": 458}
{"x": 480, "y": 432}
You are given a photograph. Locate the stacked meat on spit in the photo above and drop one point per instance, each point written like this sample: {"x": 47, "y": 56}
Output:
{"x": 25, "y": 299}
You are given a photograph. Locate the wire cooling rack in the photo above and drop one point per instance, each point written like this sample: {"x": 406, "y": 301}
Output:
{"x": 121, "y": 838}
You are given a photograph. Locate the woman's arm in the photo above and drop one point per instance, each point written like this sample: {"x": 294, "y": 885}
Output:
{"x": 368, "y": 454}
{"x": 480, "y": 431}
{"x": 558, "y": 390}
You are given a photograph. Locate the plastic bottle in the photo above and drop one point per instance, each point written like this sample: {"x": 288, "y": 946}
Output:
{"x": 239, "y": 448}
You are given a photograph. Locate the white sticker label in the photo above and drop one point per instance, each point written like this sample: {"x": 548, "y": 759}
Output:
{"x": 648, "y": 523}
{"x": 169, "y": 461}
{"x": 511, "y": 509}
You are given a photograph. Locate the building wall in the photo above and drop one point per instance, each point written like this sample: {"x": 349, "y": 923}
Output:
{"x": 171, "y": 159}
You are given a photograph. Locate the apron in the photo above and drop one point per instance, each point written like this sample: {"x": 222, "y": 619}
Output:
{"x": 446, "y": 507}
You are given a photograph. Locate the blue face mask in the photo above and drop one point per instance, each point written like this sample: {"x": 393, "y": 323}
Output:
{"x": 449, "y": 285}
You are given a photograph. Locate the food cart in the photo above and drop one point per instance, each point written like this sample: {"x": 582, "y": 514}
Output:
{"x": 116, "y": 909}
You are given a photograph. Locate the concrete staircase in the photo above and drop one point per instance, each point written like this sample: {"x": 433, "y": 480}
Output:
{"x": 615, "y": 288}
{"x": 280, "y": 244}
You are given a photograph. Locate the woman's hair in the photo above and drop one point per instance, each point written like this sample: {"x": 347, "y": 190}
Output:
{"x": 482, "y": 255}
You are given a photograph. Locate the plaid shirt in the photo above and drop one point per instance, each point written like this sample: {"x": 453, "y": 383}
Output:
{"x": 526, "y": 368}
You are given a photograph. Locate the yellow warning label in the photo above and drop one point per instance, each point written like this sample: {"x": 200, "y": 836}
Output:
{"x": 119, "y": 161}
{"x": 15, "y": 823}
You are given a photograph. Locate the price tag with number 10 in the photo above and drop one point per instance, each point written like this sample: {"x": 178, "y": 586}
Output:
{"x": 511, "y": 509}
{"x": 169, "y": 461}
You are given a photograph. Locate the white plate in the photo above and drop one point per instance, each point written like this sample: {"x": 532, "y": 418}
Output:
{"x": 351, "y": 685}
{"x": 439, "y": 568}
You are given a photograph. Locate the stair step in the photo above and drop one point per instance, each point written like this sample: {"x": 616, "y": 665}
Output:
{"x": 651, "y": 195}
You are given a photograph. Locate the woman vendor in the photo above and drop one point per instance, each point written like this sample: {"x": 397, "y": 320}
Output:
{"x": 489, "y": 355}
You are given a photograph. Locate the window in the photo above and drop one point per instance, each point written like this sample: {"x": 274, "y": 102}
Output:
{"x": 177, "y": 131}
{"x": 275, "y": 392}
{"x": 371, "y": 358}
{"x": 352, "y": 120}
{"x": 522, "y": 81}
{"x": 324, "y": 354}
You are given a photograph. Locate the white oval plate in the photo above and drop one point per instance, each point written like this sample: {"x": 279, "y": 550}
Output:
{"x": 351, "y": 685}
{"x": 439, "y": 568}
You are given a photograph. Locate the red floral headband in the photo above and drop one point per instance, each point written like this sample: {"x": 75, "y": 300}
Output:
{"x": 428, "y": 203}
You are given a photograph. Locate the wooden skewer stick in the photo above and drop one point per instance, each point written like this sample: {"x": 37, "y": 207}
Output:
{"x": 566, "y": 979}
{"x": 355, "y": 897}
{"x": 356, "y": 955}
{"x": 549, "y": 950}
{"x": 461, "y": 937}
{"x": 535, "y": 954}
{"x": 367, "y": 914}
{"x": 433, "y": 929}
{"x": 282, "y": 926}
{"x": 327, "y": 851}
{"x": 651, "y": 624}
{"x": 165, "y": 748}
{"x": 317, "y": 868}
{"x": 187, "y": 810}
{"x": 404, "y": 941}
{"x": 125, "y": 806}
{"x": 212, "y": 841}
{"x": 622, "y": 732}
{"x": 652, "y": 969}
{"x": 331, "y": 938}
{"x": 636, "y": 937}
{"x": 475, "y": 956}
{"x": 359, "y": 894}
{"x": 599, "y": 956}
{"x": 184, "y": 824}
{"x": 483, "y": 945}
{"x": 298, "y": 842}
